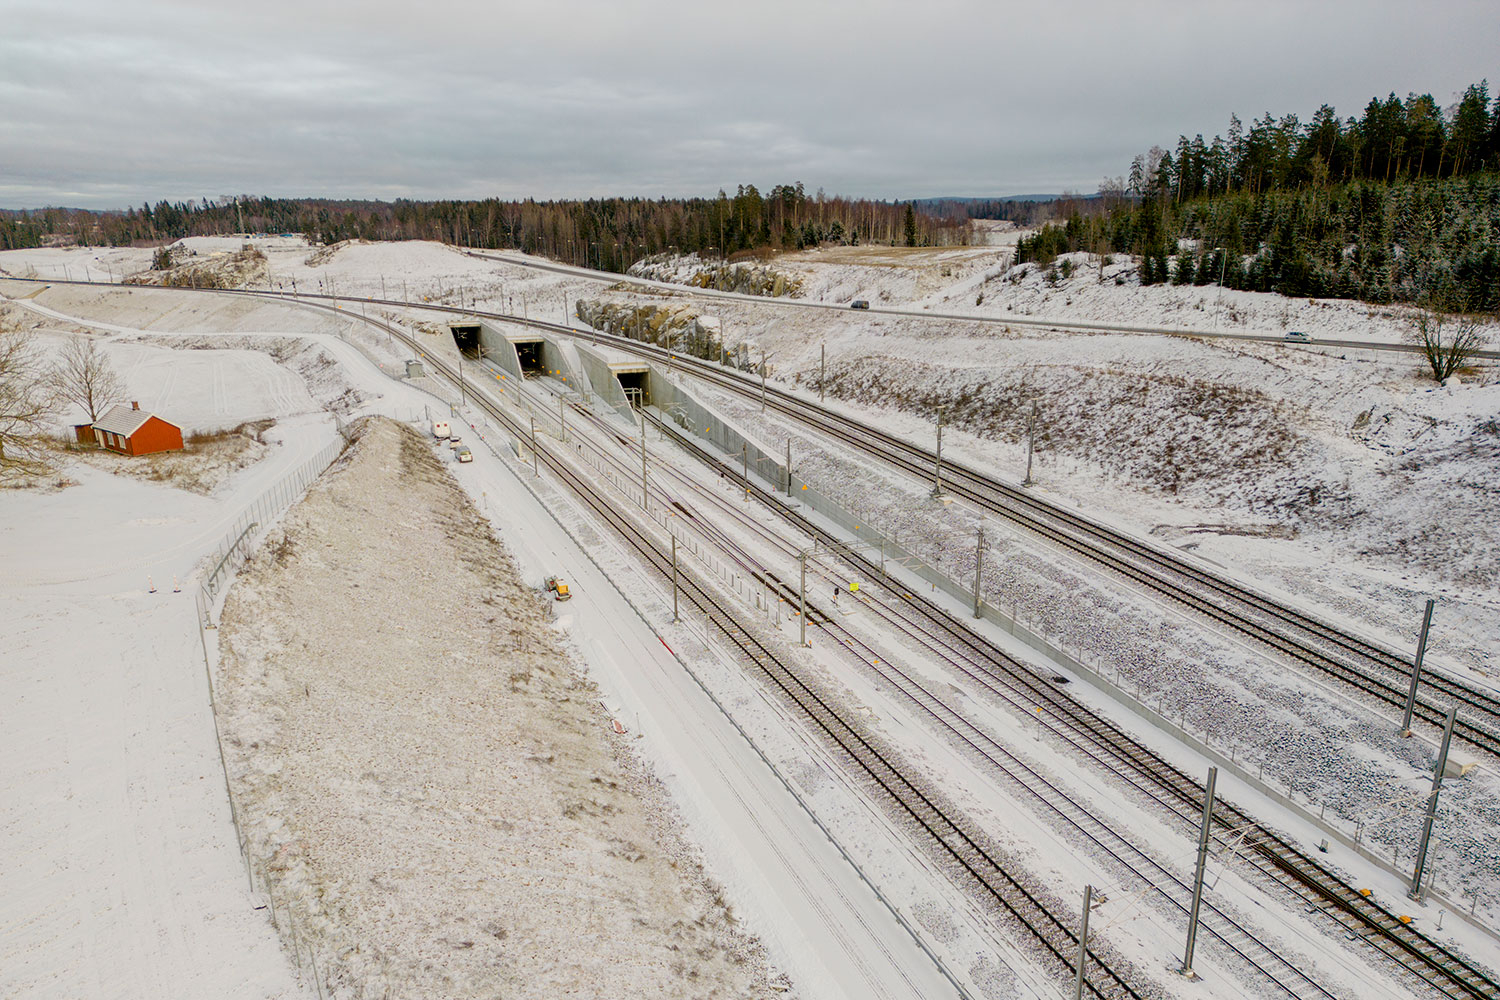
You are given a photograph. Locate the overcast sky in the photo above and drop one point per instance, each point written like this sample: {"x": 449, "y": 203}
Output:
{"x": 115, "y": 102}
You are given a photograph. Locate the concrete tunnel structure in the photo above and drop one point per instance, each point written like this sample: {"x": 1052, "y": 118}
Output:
{"x": 522, "y": 353}
{"x": 620, "y": 381}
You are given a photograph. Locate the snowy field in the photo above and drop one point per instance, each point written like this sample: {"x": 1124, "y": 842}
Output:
{"x": 782, "y": 876}
{"x": 1349, "y": 483}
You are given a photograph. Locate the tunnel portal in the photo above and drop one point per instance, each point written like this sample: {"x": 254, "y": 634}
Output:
{"x": 529, "y": 353}
{"x": 467, "y": 339}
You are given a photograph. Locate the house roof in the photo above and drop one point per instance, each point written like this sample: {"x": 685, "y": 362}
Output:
{"x": 122, "y": 419}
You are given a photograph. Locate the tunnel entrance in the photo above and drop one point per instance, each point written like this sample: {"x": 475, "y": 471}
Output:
{"x": 467, "y": 339}
{"x": 530, "y": 355}
{"x": 637, "y": 386}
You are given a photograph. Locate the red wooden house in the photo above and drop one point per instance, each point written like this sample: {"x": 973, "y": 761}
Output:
{"x": 131, "y": 430}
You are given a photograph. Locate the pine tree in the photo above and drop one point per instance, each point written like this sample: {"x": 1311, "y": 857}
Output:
{"x": 910, "y": 225}
{"x": 1186, "y": 269}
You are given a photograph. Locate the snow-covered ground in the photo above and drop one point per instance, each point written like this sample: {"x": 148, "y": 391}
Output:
{"x": 430, "y": 788}
{"x": 1349, "y": 483}
{"x": 823, "y": 924}
{"x": 1038, "y": 848}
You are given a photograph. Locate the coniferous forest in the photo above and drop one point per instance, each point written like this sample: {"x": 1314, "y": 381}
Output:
{"x": 607, "y": 233}
{"x": 1399, "y": 205}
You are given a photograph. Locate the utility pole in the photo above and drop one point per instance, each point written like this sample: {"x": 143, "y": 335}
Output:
{"x": 937, "y": 470}
{"x": 643, "y": 457}
{"x": 745, "y": 463}
{"x": 822, "y": 371}
{"x": 1083, "y": 942}
{"x": 802, "y": 594}
{"x": 1219, "y": 294}
{"x": 1030, "y": 442}
{"x": 1203, "y": 837}
{"x": 763, "y": 380}
{"x": 1432, "y": 798}
{"x": 534, "y": 470}
{"x": 562, "y": 418}
{"x": 978, "y": 569}
{"x": 674, "y": 576}
{"x": 788, "y": 466}
{"x": 1416, "y": 672}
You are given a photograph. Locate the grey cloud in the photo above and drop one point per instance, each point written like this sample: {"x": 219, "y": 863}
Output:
{"x": 114, "y": 104}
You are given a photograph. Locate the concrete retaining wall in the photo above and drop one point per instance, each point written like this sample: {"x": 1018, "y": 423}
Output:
{"x": 601, "y": 380}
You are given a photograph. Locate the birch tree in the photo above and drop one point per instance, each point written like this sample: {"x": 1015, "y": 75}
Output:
{"x": 1448, "y": 341}
{"x": 83, "y": 376}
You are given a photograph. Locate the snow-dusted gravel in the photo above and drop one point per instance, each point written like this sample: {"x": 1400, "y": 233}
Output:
{"x": 1310, "y": 736}
{"x": 427, "y": 784}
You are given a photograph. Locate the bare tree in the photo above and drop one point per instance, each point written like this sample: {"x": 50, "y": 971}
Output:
{"x": 25, "y": 401}
{"x": 83, "y": 375}
{"x": 1447, "y": 340}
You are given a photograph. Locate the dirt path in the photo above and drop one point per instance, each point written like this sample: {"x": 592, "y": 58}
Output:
{"x": 425, "y": 777}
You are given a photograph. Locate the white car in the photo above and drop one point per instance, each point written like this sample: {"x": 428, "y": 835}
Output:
{"x": 1298, "y": 337}
{"x": 464, "y": 454}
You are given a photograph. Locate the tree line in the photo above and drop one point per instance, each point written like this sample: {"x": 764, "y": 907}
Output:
{"x": 1401, "y": 205}
{"x": 607, "y": 233}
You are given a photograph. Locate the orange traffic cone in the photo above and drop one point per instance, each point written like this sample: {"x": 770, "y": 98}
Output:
{"x": 151, "y": 587}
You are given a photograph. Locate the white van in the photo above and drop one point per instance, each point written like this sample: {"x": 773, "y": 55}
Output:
{"x": 440, "y": 429}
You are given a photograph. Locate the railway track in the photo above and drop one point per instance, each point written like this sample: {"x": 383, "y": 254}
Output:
{"x": 1373, "y": 670}
{"x": 1368, "y": 668}
{"x": 947, "y": 833}
{"x": 1269, "y": 855}
{"x": 1422, "y": 960}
